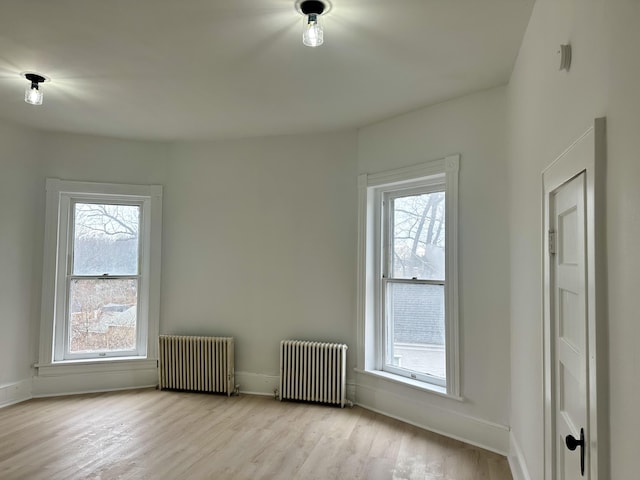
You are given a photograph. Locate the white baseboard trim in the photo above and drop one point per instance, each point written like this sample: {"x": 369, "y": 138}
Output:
{"x": 69, "y": 383}
{"x": 475, "y": 431}
{"x": 517, "y": 463}
{"x": 265, "y": 385}
{"x": 351, "y": 392}
{"x": 257, "y": 383}
{"x": 15, "y": 393}
{"x": 105, "y": 390}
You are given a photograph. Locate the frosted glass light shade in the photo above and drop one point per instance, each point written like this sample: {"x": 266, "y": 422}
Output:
{"x": 312, "y": 34}
{"x": 33, "y": 95}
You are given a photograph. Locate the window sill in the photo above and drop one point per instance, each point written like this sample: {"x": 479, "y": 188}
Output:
{"x": 101, "y": 365}
{"x": 408, "y": 382}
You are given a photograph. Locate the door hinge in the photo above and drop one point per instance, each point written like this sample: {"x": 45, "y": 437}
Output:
{"x": 552, "y": 242}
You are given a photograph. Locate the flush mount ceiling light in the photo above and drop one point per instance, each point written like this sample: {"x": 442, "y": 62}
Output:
{"x": 33, "y": 94}
{"x": 312, "y": 34}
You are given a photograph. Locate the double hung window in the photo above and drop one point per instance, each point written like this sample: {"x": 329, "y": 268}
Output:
{"x": 413, "y": 283}
{"x": 102, "y": 279}
{"x": 408, "y": 310}
{"x": 99, "y": 295}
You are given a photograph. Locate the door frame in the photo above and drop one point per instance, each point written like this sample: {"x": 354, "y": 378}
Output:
{"x": 587, "y": 154}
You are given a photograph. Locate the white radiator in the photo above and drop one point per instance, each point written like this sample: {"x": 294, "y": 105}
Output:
{"x": 201, "y": 364}
{"x": 313, "y": 371}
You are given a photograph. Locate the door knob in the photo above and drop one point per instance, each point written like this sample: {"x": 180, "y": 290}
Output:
{"x": 573, "y": 443}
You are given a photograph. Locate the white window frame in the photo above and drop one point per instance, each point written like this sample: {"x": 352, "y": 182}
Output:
{"x": 370, "y": 302}
{"x": 426, "y": 186}
{"x": 61, "y": 198}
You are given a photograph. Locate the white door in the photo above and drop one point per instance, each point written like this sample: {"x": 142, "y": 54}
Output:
{"x": 575, "y": 406}
{"x": 569, "y": 302}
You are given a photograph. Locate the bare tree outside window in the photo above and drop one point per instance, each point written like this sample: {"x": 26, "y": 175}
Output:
{"x": 105, "y": 239}
{"x": 418, "y": 236}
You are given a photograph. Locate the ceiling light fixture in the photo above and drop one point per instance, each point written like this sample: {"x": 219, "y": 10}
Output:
{"x": 312, "y": 34}
{"x": 33, "y": 94}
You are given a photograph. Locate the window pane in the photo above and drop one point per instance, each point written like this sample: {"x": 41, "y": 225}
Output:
{"x": 415, "y": 328}
{"x": 418, "y": 237}
{"x": 105, "y": 239}
{"x": 103, "y": 315}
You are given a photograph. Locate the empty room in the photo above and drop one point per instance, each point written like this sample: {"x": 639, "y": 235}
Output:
{"x": 299, "y": 239}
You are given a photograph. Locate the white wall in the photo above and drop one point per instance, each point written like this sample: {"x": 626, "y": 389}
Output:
{"x": 623, "y": 224}
{"x": 259, "y": 237}
{"x": 473, "y": 126}
{"x": 101, "y": 159}
{"x": 18, "y": 206}
{"x": 548, "y": 110}
{"x": 259, "y": 243}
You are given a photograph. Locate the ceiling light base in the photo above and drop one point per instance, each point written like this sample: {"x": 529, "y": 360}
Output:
{"x": 34, "y": 77}
{"x": 312, "y": 6}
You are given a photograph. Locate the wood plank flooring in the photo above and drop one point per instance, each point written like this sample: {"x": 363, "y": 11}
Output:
{"x": 148, "y": 434}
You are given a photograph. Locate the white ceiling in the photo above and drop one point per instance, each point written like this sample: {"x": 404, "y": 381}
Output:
{"x": 196, "y": 69}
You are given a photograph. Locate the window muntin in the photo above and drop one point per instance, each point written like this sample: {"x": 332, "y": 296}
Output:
{"x": 413, "y": 283}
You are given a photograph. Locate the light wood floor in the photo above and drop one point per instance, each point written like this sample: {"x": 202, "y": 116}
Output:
{"x": 148, "y": 434}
